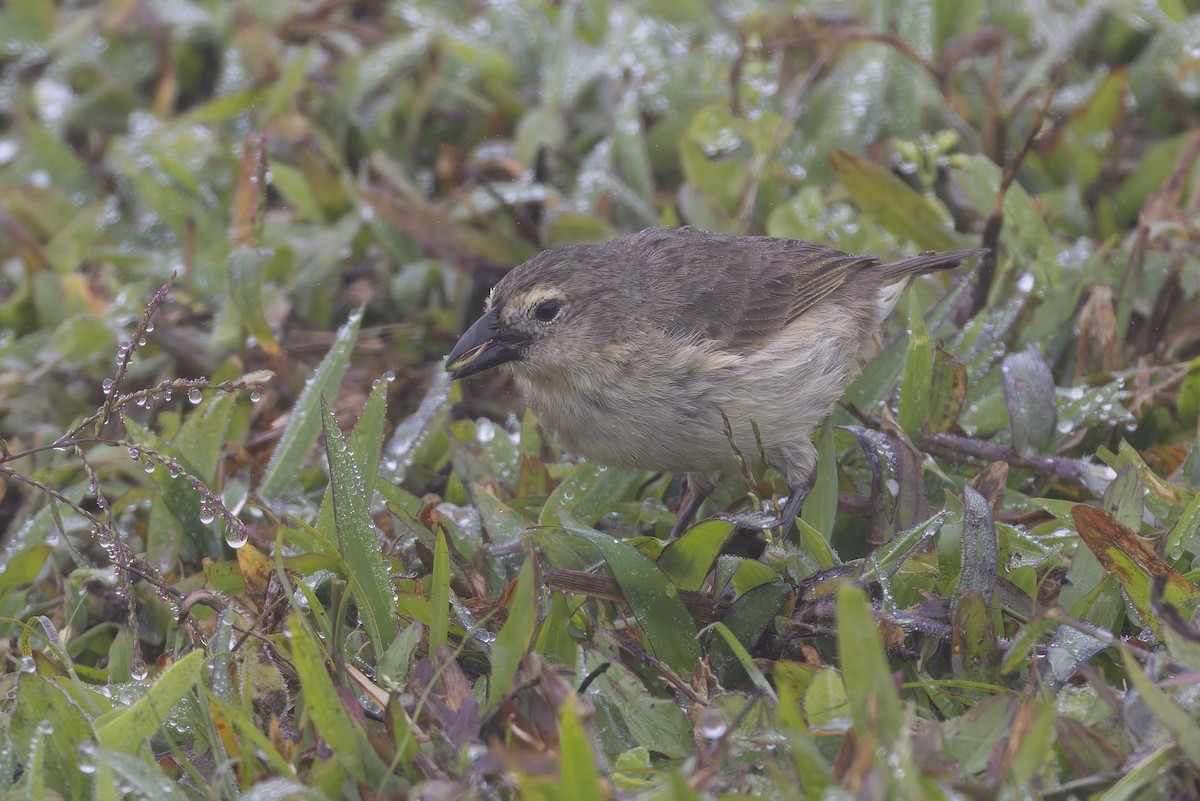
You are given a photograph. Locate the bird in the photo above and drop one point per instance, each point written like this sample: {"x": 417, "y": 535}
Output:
{"x": 677, "y": 349}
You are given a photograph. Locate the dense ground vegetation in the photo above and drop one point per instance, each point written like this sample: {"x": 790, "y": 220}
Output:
{"x": 230, "y": 232}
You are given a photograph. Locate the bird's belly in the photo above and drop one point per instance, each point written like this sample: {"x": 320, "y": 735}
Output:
{"x": 643, "y": 426}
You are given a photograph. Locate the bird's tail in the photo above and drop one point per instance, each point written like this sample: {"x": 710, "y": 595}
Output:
{"x": 896, "y": 277}
{"x": 925, "y": 263}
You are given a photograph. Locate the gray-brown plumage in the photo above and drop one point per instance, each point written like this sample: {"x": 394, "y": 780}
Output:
{"x": 630, "y": 351}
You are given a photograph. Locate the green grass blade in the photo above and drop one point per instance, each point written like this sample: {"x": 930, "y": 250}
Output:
{"x": 439, "y": 595}
{"x": 918, "y": 372}
{"x": 512, "y": 643}
{"x": 357, "y": 538}
{"x": 580, "y": 778}
{"x": 874, "y": 705}
{"x": 324, "y": 705}
{"x": 125, "y": 729}
{"x": 305, "y": 421}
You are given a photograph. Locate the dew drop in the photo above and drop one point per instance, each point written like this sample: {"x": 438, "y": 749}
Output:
{"x": 149, "y": 327}
{"x": 207, "y": 513}
{"x": 236, "y": 535}
{"x": 141, "y": 342}
{"x": 148, "y": 466}
{"x": 107, "y": 385}
{"x": 134, "y": 453}
{"x": 712, "y": 723}
{"x": 194, "y": 395}
{"x": 255, "y": 396}
{"x": 389, "y": 376}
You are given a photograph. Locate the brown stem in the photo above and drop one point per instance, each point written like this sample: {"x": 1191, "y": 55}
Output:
{"x": 964, "y": 449}
{"x": 986, "y": 272}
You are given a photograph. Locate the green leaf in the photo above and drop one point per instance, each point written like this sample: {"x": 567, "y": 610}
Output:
{"x": 748, "y": 617}
{"x": 251, "y": 733}
{"x": 948, "y": 390}
{"x": 554, "y": 636}
{"x": 125, "y": 729}
{"x": 1026, "y": 639}
{"x": 630, "y": 159}
{"x": 246, "y": 266}
{"x": 293, "y": 186}
{"x": 688, "y": 559}
{"x": 357, "y": 539}
{"x": 653, "y": 598}
{"x": 1142, "y": 773}
{"x": 975, "y": 652}
{"x": 744, "y": 659}
{"x": 918, "y": 372}
{"x": 588, "y": 492}
{"x": 439, "y": 594}
{"x": 1029, "y": 394}
{"x": 825, "y": 701}
{"x": 284, "y": 88}
{"x": 884, "y": 197}
{"x": 1180, "y": 723}
{"x": 83, "y": 337}
{"x": 198, "y": 446}
{"x": 579, "y": 779}
{"x": 874, "y": 705}
{"x": 366, "y": 443}
{"x": 980, "y": 554}
{"x": 24, "y": 567}
{"x": 512, "y": 643}
{"x": 45, "y": 712}
{"x": 1185, "y": 534}
{"x": 1135, "y": 564}
{"x": 630, "y": 714}
{"x": 305, "y": 421}
{"x": 820, "y": 507}
{"x": 324, "y": 704}
{"x": 504, "y": 525}
{"x": 139, "y": 777}
{"x": 713, "y": 134}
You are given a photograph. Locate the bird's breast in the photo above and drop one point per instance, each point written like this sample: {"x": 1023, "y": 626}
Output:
{"x": 654, "y": 414}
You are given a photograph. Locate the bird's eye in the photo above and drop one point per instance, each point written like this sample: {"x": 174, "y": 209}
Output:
{"x": 547, "y": 310}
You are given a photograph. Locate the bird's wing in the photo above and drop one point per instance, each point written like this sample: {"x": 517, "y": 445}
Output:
{"x": 745, "y": 290}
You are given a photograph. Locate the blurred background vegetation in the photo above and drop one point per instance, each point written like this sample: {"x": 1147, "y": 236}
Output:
{"x": 216, "y": 216}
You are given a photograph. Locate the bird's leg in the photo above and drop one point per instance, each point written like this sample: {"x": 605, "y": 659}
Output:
{"x": 798, "y": 463}
{"x": 795, "y": 501}
{"x": 699, "y": 486}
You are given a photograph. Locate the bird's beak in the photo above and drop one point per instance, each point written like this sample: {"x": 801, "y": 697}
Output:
{"x": 486, "y": 344}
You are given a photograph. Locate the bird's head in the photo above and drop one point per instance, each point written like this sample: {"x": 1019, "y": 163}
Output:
{"x": 547, "y": 315}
